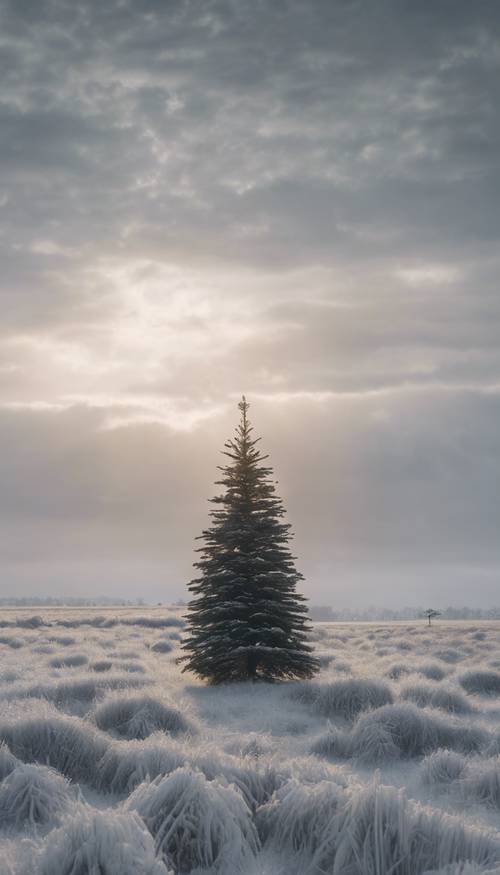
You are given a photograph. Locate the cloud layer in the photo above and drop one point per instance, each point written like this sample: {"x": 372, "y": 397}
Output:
{"x": 294, "y": 200}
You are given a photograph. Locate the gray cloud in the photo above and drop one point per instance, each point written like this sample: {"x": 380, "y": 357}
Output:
{"x": 296, "y": 200}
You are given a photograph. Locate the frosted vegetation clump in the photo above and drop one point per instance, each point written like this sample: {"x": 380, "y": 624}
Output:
{"x": 99, "y": 776}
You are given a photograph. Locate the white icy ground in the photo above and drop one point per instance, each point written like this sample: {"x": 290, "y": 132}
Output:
{"x": 114, "y": 762}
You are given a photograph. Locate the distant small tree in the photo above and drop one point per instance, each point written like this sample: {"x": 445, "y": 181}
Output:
{"x": 430, "y": 613}
{"x": 245, "y": 619}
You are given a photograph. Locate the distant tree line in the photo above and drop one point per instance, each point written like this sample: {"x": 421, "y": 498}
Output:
{"x": 327, "y": 614}
{"x": 68, "y": 601}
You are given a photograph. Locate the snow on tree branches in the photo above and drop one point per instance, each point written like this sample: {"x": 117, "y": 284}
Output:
{"x": 246, "y": 620}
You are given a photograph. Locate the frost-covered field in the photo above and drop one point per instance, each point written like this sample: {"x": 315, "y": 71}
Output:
{"x": 113, "y": 762}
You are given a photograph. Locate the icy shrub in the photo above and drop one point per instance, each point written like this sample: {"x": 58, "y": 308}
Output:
{"x": 486, "y": 682}
{"x": 324, "y": 659}
{"x": 335, "y": 744}
{"x": 344, "y": 698}
{"x": 256, "y": 782}
{"x": 415, "y": 732}
{"x": 8, "y": 677}
{"x": 342, "y": 667}
{"x": 437, "y": 697}
{"x": 477, "y": 779}
{"x": 68, "y": 745}
{"x": 403, "y": 731}
{"x": 431, "y": 671}
{"x": 483, "y": 782}
{"x": 154, "y": 622}
{"x": 138, "y": 717}
{"x": 300, "y": 818}
{"x": 8, "y": 762}
{"x": 127, "y": 764}
{"x": 100, "y": 843}
{"x": 70, "y": 660}
{"x": 10, "y": 641}
{"x": 370, "y": 830}
{"x": 30, "y": 622}
{"x": 443, "y": 767}
{"x": 402, "y": 645}
{"x": 162, "y": 646}
{"x": 449, "y": 655}
{"x": 101, "y": 665}
{"x": 380, "y": 832}
{"x": 65, "y": 640}
{"x": 133, "y": 667}
{"x": 32, "y": 795}
{"x": 195, "y": 822}
{"x": 395, "y": 671}
{"x": 67, "y": 693}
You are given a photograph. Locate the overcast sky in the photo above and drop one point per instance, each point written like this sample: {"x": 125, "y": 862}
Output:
{"x": 294, "y": 199}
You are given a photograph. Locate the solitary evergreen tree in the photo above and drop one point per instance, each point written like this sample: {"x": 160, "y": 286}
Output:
{"x": 245, "y": 619}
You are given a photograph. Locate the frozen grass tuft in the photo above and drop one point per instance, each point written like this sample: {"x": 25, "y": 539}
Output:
{"x": 133, "y": 667}
{"x": 473, "y": 779}
{"x": 482, "y": 783}
{"x": 449, "y": 700}
{"x": 344, "y": 698}
{"x": 335, "y": 744}
{"x": 342, "y": 667}
{"x": 370, "y": 830}
{"x": 443, "y": 767}
{"x": 64, "y": 640}
{"x": 162, "y": 646}
{"x": 140, "y": 716}
{"x": 483, "y": 682}
{"x": 413, "y": 732}
{"x": 33, "y": 795}
{"x": 126, "y": 764}
{"x": 67, "y": 693}
{"x": 431, "y": 670}
{"x": 449, "y": 655}
{"x": 8, "y": 762}
{"x": 400, "y": 731}
{"x": 67, "y": 744}
{"x": 10, "y": 641}
{"x": 8, "y": 677}
{"x": 100, "y": 843}
{"x": 68, "y": 660}
{"x": 325, "y": 659}
{"x": 196, "y": 823}
{"x": 154, "y": 622}
{"x": 297, "y": 819}
{"x": 101, "y": 665}
{"x": 381, "y": 832}
{"x": 397, "y": 670}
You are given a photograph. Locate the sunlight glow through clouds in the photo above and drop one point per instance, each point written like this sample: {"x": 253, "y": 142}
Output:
{"x": 429, "y": 275}
{"x": 295, "y": 201}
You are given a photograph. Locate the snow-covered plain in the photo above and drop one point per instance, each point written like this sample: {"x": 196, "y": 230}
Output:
{"x": 114, "y": 762}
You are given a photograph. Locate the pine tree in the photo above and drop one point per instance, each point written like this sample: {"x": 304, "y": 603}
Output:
{"x": 245, "y": 619}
